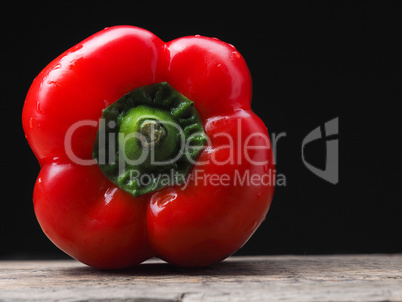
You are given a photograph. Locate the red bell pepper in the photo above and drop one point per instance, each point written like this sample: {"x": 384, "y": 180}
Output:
{"x": 126, "y": 79}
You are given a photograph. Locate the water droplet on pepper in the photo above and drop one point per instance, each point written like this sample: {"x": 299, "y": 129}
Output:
{"x": 38, "y": 107}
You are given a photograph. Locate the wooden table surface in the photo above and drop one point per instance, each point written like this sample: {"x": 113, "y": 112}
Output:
{"x": 268, "y": 278}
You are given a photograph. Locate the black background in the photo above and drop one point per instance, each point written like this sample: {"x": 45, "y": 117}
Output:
{"x": 309, "y": 64}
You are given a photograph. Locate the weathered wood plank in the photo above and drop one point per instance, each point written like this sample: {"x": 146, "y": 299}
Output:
{"x": 268, "y": 278}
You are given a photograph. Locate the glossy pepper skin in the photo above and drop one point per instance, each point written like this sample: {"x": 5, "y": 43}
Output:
{"x": 191, "y": 225}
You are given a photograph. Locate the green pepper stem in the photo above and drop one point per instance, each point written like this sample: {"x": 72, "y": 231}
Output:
{"x": 158, "y": 132}
{"x": 153, "y": 132}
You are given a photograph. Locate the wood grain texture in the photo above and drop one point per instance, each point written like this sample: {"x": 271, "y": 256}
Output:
{"x": 268, "y": 278}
